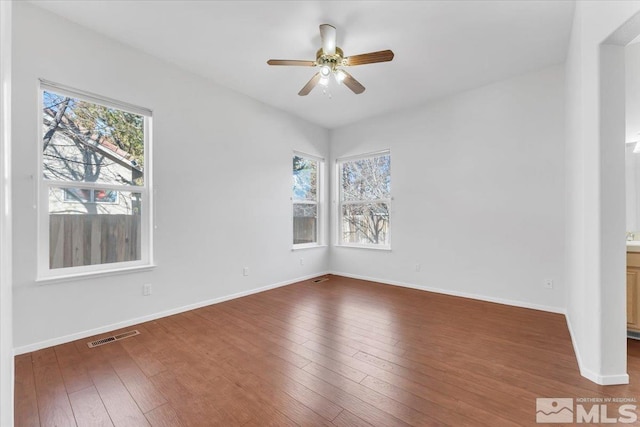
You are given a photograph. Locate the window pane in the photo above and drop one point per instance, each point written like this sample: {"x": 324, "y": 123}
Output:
{"x": 84, "y": 195}
{"x": 366, "y": 223}
{"x": 86, "y": 142}
{"x": 105, "y": 196}
{"x": 366, "y": 179}
{"x": 305, "y": 179}
{"x": 79, "y": 195}
{"x": 305, "y": 223}
{"x": 88, "y": 227}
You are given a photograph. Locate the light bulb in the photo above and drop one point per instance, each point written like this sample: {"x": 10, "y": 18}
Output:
{"x": 325, "y": 71}
{"x": 340, "y": 76}
{"x": 324, "y": 81}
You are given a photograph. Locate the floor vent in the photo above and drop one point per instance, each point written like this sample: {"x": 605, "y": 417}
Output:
{"x": 320, "y": 279}
{"x": 633, "y": 335}
{"x": 113, "y": 338}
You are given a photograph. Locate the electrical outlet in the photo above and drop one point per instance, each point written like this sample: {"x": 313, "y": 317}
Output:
{"x": 301, "y": 261}
{"x": 146, "y": 289}
{"x": 245, "y": 271}
{"x": 418, "y": 267}
{"x": 548, "y": 284}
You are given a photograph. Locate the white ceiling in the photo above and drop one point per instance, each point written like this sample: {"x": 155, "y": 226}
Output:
{"x": 441, "y": 47}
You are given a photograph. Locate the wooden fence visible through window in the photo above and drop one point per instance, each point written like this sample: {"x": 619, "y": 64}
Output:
{"x": 304, "y": 230}
{"x": 77, "y": 240}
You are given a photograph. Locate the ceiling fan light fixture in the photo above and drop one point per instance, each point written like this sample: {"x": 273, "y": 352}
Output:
{"x": 325, "y": 71}
{"x": 340, "y": 76}
{"x": 324, "y": 81}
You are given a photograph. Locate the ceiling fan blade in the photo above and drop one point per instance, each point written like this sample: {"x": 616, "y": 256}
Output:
{"x": 295, "y": 62}
{"x": 310, "y": 85}
{"x": 370, "y": 58}
{"x": 328, "y": 36}
{"x": 352, "y": 83}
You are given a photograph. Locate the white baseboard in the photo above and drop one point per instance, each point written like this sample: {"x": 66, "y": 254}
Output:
{"x": 610, "y": 379}
{"x": 589, "y": 374}
{"x": 504, "y": 301}
{"x": 119, "y": 325}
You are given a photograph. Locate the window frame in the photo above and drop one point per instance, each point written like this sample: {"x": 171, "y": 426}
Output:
{"x": 341, "y": 203}
{"x": 44, "y": 272}
{"x": 319, "y": 202}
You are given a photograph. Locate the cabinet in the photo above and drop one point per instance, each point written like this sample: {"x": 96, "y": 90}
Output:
{"x": 633, "y": 291}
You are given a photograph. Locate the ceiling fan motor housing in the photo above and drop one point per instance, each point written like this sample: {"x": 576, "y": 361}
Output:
{"x": 332, "y": 61}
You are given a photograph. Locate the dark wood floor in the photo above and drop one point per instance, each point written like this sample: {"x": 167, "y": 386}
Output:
{"x": 343, "y": 352}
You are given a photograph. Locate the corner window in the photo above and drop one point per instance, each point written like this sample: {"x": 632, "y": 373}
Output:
{"x": 364, "y": 200}
{"x": 94, "y": 188}
{"x": 306, "y": 200}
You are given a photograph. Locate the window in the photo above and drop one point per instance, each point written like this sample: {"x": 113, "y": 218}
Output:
{"x": 306, "y": 200}
{"x": 365, "y": 197}
{"x": 94, "y": 200}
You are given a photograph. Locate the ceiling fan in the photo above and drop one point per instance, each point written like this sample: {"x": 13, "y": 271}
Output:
{"x": 329, "y": 58}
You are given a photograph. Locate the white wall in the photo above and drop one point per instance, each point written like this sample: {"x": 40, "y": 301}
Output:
{"x": 477, "y": 182}
{"x": 612, "y": 210}
{"x": 632, "y": 102}
{"x": 595, "y": 195}
{"x": 632, "y": 184}
{"x": 6, "y": 319}
{"x": 632, "y": 130}
{"x": 222, "y": 174}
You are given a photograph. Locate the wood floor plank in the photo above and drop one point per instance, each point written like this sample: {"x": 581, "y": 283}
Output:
{"x": 272, "y": 345}
{"x": 372, "y": 397}
{"x": 291, "y": 408}
{"x": 445, "y": 409}
{"x": 414, "y": 382}
{"x": 347, "y": 419}
{"x": 143, "y": 357}
{"x": 45, "y": 356}
{"x": 53, "y": 402}
{"x": 293, "y": 400}
{"x": 314, "y": 401}
{"x": 479, "y": 395}
{"x": 72, "y": 368}
{"x": 88, "y": 408}
{"x": 340, "y": 397}
{"x": 164, "y": 416}
{"x": 344, "y": 352}
{"x": 140, "y": 388}
{"x": 202, "y": 380}
{"x": 192, "y": 406}
{"x": 274, "y": 332}
{"x": 120, "y": 405}
{"x": 265, "y": 362}
{"x": 25, "y": 400}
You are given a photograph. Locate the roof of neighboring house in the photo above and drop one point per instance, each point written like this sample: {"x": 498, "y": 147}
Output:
{"x": 95, "y": 142}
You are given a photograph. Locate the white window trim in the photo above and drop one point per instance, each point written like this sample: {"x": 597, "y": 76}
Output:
{"x": 340, "y": 203}
{"x": 319, "y": 243}
{"x": 386, "y": 248}
{"x": 44, "y": 273}
{"x": 302, "y": 246}
{"x": 83, "y": 275}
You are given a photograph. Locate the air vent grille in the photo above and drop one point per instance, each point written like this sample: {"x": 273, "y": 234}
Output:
{"x": 113, "y": 338}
